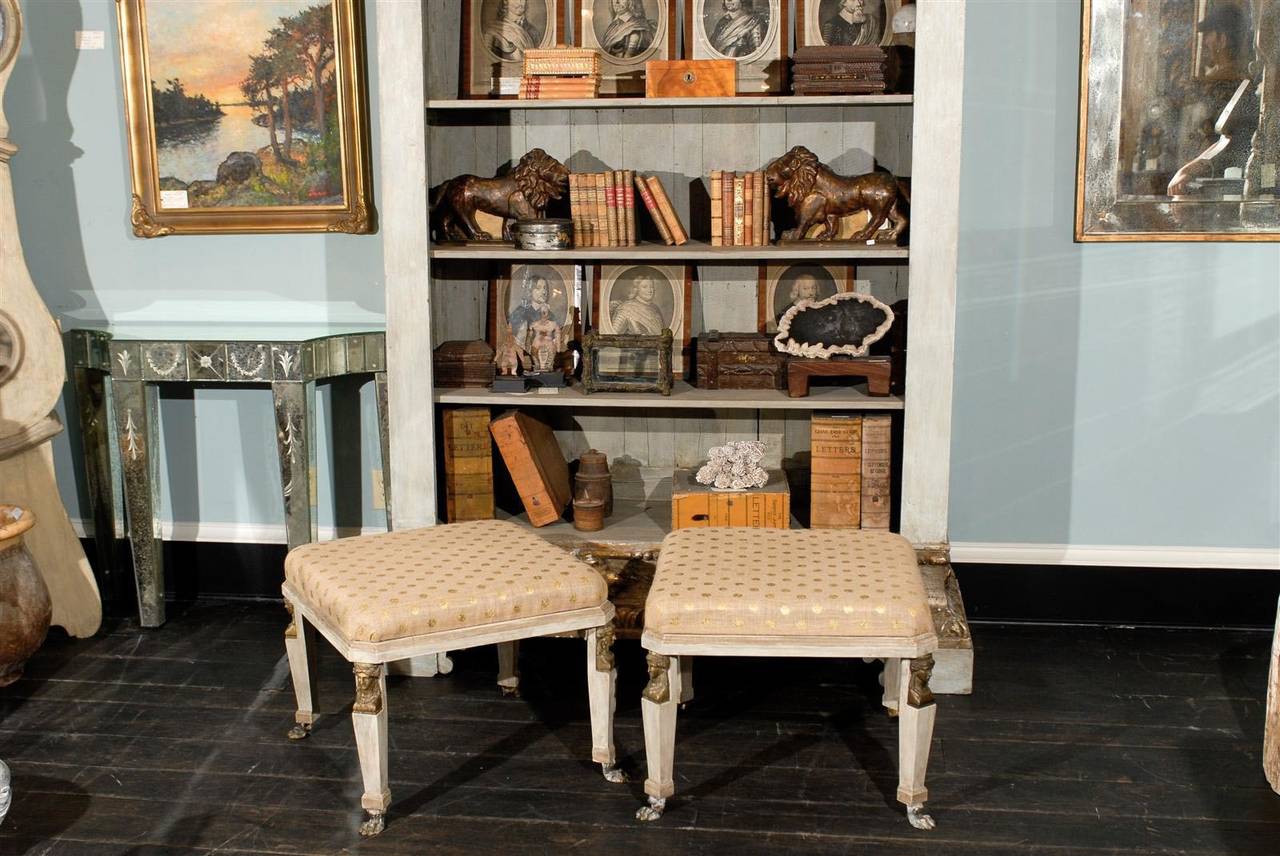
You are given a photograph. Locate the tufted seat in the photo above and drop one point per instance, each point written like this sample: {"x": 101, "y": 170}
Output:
{"x": 400, "y": 584}
{"x": 798, "y": 582}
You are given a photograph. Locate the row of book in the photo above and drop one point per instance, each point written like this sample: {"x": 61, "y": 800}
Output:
{"x": 739, "y": 209}
{"x": 603, "y": 209}
{"x": 557, "y": 86}
{"x": 850, "y": 471}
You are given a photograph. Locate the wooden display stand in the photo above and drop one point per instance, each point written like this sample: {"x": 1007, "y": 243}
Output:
{"x": 877, "y": 371}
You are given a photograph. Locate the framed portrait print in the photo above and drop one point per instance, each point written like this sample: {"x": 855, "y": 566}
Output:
{"x": 751, "y": 32}
{"x": 783, "y": 286}
{"x": 643, "y": 300}
{"x": 628, "y": 33}
{"x": 495, "y": 35}
{"x": 845, "y": 22}
{"x": 1179, "y": 135}
{"x": 246, "y": 117}
{"x": 517, "y": 300}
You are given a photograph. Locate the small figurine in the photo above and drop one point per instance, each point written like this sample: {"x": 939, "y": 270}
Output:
{"x": 820, "y": 197}
{"x": 510, "y": 358}
{"x": 545, "y": 341}
{"x": 521, "y": 194}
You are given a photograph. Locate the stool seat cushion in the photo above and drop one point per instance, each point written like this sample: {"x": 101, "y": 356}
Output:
{"x": 787, "y": 582}
{"x": 376, "y": 588}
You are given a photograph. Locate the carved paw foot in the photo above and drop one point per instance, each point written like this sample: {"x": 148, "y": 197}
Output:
{"x": 374, "y": 823}
{"x": 300, "y": 731}
{"x": 613, "y": 773}
{"x": 652, "y": 811}
{"x": 509, "y": 692}
{"x": 919, "y": 818}
{"x": 892, "y": 712}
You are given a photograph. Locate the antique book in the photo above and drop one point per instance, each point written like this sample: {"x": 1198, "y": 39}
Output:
{"x": 614, "y": 209}
{"x": 468, "y": 464}
{"x": 678, "y": 233}
{"x": 629, "y": 204}
{"x": 575, "y": 209}
{"x": 537, "y": 466}
{"x": 835, "y": 472}
{"x": 602, "y": 212}
{"x": 717, "y": 224}
{"x": 726, "y": 207}
{"x": 694, "y": 504}
{"x": 555, "y": 87}
{"x": 651, "y": 204}
{"x": 749, "y": 209}
{"x": 739, "y": 210}
{"x": 762, "y": 205}
{"x": 877, "y": 443}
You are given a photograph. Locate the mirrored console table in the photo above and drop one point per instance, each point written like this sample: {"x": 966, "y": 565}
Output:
{"x": 117, "y": 390}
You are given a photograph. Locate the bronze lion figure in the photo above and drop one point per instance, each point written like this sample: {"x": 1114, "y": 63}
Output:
{"x": 819, "y": 196}
{"x": 521, "y": 194}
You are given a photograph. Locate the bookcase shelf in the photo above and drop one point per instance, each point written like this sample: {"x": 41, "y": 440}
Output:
{"x": 692, "y": 251}
{"x": 650, "y": 103}
{"x": 683, "y": 397}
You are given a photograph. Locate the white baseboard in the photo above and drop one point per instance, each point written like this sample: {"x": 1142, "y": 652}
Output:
{"x": 231, "y": 533}
{"x": 1238, "y": 558}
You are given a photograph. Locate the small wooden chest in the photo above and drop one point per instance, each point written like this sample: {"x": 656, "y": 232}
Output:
{"x": 694, "y": 504}
{"x": 739, "y": 361}
{"x": 463, "y": 364}
{"x": 690, "y": 78}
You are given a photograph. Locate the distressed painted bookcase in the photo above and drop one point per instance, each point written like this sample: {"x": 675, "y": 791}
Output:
{"x": 436, "y": 294}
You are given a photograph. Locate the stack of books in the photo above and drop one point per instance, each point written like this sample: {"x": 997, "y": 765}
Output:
{"x": 561, "y": 73}
{"x": 661, "y": 211}
{"x": 739, "y": 209}
{"x": 844, "y": 70}
{"x": 603, "y": 208}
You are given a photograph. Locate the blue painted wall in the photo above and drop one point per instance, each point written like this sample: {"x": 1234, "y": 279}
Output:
{"x": 1105, "y": 394}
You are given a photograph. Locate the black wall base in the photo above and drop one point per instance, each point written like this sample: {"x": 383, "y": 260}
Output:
{"x": 1039, "y": 593}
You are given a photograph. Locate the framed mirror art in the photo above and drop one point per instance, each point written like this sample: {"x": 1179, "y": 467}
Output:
{"x": 246, "y": 117}
{"x": 1179, "y": 121}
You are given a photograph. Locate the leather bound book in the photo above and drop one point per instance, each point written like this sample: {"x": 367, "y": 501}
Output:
{"x": 739, "y": 210}
{"x": 749, "y": 209}
{"x": 717, "y": 215}
{"x": 835, "y": 475}
{"x": 726, "y": 207}
{"x": 575, "y": 210}
{"x": 602, "y": 213}
{"x": 468, "y": 464}
{"x": 610, "y": 211}
{"x": 651, "y": 205}
{"x": 628, "y": 191}
{"x": 537, "y": 466}
{"x": 762, "y": 203}
{"x": 678, "y": 234}
{"x": 877, "y": 443}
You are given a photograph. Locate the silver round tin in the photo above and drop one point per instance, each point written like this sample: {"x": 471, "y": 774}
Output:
{"x": 550, "y": 234}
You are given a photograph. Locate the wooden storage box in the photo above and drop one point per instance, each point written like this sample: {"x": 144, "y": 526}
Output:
{"x": 562, "y": 62}
{"x": 739, "y": 361}
{"x": 690, "y": 78}
{"x": 694, "y": 504}
{"x": 463, "y": 364}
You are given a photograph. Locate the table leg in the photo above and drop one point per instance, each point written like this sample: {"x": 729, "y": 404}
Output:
{"x": 295, "y": 443}
{"x": 95, "y": 441}
{"x": 137, "y": 406}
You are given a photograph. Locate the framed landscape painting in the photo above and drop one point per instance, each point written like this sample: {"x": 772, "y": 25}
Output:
{"x": 246, "y": 117}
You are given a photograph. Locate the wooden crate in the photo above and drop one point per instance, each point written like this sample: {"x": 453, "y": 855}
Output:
{"x": 694, "y": 504}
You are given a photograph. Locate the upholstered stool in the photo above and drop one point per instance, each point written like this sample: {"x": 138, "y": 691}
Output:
{"x": 393, "y": 596}
{"x": 789, "y": 593}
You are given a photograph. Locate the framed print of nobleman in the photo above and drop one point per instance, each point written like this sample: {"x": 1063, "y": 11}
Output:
{"x": 643, "y": 300}
{"x": 845, "y": 23}
{"x": 628, "y": 33}
{"x": 748, "y": 31}
{"x": 497, "y": 33}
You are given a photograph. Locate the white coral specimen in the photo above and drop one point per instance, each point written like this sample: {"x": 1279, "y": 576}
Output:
{"x": 734, "y": 466}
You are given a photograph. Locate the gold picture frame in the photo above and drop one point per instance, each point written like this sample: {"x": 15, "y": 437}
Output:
{"x": 312, "y": 171}
{"x": 1170, "y": 149}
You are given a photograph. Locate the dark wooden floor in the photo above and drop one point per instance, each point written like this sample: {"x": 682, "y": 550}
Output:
{"x": 1079, "y": 740}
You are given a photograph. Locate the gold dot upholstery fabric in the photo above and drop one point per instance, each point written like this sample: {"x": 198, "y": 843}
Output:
{"x": 787, "y": 582}
{"x": 376, "y": 588}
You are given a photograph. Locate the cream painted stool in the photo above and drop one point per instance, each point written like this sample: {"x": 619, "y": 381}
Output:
{"x": 789, "y": 593}
{"x": 383, "y": 598}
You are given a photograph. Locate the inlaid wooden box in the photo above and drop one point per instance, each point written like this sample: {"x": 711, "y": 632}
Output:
{"x": 739, "y": 361}
{"x": 463, "y": 364}
{"x": 694, "y": 504}
{"x": 690, "y": 78}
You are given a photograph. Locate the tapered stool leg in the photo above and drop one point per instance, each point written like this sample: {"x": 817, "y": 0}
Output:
{"x": 300, "y": 646}
{"x": 916, "y": 714}
{"x": 658, "y": 707}
{"x": 369, "y": 719}
{"x": 601, "y": 680}
{"x": 892, "y": 680}
{"x": 508, "y": 672}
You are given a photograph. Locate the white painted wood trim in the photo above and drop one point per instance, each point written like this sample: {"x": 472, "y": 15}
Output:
{"x": 935, "y": 227}
{"x": 1117, "y": 555}
{"x": 788, "y": 646}
{"x": 402, "y": 62}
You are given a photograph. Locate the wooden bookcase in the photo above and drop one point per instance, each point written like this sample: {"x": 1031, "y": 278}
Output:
{"x": 435, "y": 294}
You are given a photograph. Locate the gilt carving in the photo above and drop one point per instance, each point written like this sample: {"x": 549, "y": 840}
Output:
{"x": 368, "y": 688}
{"x": 143, "y": 225}
{"x": 604, "y": 648}
{"x": 918, "y": 692}
{"x": 658, "y": 689}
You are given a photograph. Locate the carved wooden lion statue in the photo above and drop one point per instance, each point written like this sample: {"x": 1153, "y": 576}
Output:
{"x": 521, "y": 194}
{"x": 819, "y": 196}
